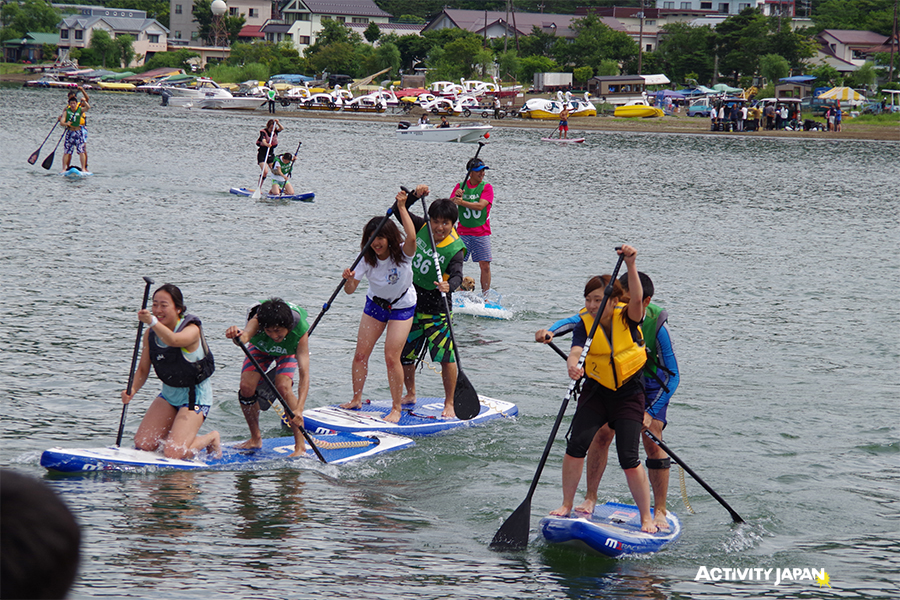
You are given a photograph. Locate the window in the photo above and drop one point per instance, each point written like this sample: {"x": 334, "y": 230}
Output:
{"x": 341, "y": 19}
{"x": 79, "y": 34}
{"x": 177, "y": 35}
{"x": 233, "y": 12}
{"x": 741, "y": 7}
{"x": 669, "y": 5}
{"x": 304, "y": 39}
{"x": 254, "y": 13}
{"x": 177, "y": 9}
{"x": 360, "y": 19}
{"x": 649, "y": 48}
{"x": 153, "y": 38}
{"x": 303, "y": 17}
{"x": 706, "y": 6}
{"x": 723, "y": 8}
{"x": 63, "y": 34}
{"x": 685, "y": 5}
{"x": 650, "y": 22}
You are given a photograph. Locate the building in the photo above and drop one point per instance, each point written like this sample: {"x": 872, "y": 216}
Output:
{"x": 644, "y": 26}
{"x": 29, "y": 48}
{"x": 75, "y": 30}
{"x": 732, "y": 7}
{"x": 847, "y": 50}
{"x": 305, "y": 17}
{"x": 496, "y": 24}
{"x": 185, "y": 30}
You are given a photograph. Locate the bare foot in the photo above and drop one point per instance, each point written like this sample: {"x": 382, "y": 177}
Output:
{"x": 215, "y": 446}
{"x": 562, "y": 511}
{"x": 353, "y": 405}
{"x": 408, "y": 399}
{"x": 298, "y": 451}
{"x": 649, "y": 526}
{"x": 659, "y": 518}
{"x": 393, "y": 416}
{"x": 586, "y": 507}
{"x": 448, "y": 412}
{"x": 251, "y": 444}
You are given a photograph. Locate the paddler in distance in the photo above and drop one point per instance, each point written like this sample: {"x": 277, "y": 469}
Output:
{"x": 73, "y": 120}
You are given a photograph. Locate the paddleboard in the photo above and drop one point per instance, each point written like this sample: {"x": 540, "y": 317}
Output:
{"x": 472, "y": 303}
{"x": 305, "y": 197}
{"x": 75, "y": 172}
{"x": 564, "y": 140}
{"x": 613, "y": 530}
{"x": 337, "y": 448}
{"x": 421, "y": 418}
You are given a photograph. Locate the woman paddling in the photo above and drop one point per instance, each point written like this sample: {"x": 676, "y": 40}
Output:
{"x": 266, "y": 144}
{"x": 390, "y": 302}
{"x": 612, "y": 391}
{"x": 174, "y": 345}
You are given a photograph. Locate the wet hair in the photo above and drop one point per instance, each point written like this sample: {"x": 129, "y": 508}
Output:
{"x": 391, "y": 233}
{"x": 275, "y": 312}
{"x": 175, "y": 293}
{"x": 40, "y": 540}
{"x": 444, "y": 208}
{"x": 646, "y": 284}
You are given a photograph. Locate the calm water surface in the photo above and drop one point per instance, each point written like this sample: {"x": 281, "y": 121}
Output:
{"x": 776, "y": 259}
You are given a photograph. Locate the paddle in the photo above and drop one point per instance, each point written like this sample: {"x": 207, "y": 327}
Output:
{"x": 262, "y": 173}
{"x": 465, "y": 399}
{"x": 735, "y": 517}
{"x": 34, "y": 156}
{"x": 343, "y": 282}
{"x": 48, "y": 162}
{"x": 134, "y": 357}
{"x": 287, "y": 409}
{"x": 513, "y": 534}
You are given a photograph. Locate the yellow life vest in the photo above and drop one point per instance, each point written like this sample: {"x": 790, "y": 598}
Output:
{"x": 614, "y": 368}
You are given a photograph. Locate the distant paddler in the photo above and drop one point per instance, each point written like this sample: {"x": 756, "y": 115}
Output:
{"x": 73, "y": 120}
{"x": 266, "y": 144}
{"x": 281, "y": 173}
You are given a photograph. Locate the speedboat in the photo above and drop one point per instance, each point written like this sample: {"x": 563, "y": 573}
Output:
{"x": 201, "y": 87}
{"x": 234, "y": 103}
{"x": 52, "y": 81}
{"x": 638, "y": 109}
{"x": 469, "y": 133}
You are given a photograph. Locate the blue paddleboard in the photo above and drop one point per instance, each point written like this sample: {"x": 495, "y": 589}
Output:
{"x": 75, "y": 172}
{"x": 421, "y": 418}
{"x": 305, "y": 197}
{"x": 337, "y": 448}
{"x": 613, "y": 530}
{"x": 472, "y": 303}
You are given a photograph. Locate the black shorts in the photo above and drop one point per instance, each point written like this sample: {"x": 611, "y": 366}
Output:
{"x": 623, "y": 409}
{"x": 261, "y": 154}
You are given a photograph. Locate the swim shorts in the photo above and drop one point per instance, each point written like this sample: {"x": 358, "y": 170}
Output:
{"x": 434, "y": 330}
{"x": 479, "y": 247}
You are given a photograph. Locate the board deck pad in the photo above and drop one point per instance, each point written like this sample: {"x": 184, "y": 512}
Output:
{"x": 304, "y": 197}
{"x": 472, "y": 303}
{"x": 613, "y": 529}
{"x": 421, "y": 418}
{"x": 337, "y": 448}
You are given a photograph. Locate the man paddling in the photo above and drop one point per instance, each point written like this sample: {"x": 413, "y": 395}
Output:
{"x": 73, "y": 120}
{"x": 474, "y": 228}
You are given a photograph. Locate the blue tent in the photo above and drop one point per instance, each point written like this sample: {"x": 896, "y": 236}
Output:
{"x": 798, "y": 79}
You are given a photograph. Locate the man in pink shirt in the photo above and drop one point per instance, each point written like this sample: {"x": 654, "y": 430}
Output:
{"x": 474, "y": 226}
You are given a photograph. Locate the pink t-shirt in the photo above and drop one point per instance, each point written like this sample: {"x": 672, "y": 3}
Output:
{"x": 486, "y": 194}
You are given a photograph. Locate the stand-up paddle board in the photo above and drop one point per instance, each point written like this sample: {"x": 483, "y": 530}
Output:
{"x": 75, "y": 172}
{"x": 613, "y": 530}
{"x": 305, "y": 197}
{"x": 337, "y": 448}
{"x": 421, "y": 418}
{"x": 472, "y": 303}
{"x": 564, "y": 140}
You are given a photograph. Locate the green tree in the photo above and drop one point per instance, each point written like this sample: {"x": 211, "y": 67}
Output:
{"x": 204, "y": 17}
{"x": 595, "y": 41}
{"x": 684, "y": 50}
{"x": 773, "y": 67}
{"x": 104, "y": 47}
{"x": 608, "y": 68}
{"x": 413, "y": 48}
{"x": 179, "y": 59}
{"x": 388, "y": 55}
{"x": 865, "y": 76}
{"x": 741, "y": 39}
{"x": 125, "y": 48}
{"x": 582, "y": 74}
{"x": 530, "y": 65}
{"x": 864, "y": 15}
{"x": 826, "y": 76}
{"x": 372, "y": 33}
{"x": 31, "y": 15}
{"x": 509, "y": 63}
{"x": 537, "y": 43}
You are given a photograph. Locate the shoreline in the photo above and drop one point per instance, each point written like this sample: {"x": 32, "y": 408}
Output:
{"x": 888, "y": 132}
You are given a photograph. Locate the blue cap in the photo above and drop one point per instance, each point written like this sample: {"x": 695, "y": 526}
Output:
{"x": 476, "y": 164}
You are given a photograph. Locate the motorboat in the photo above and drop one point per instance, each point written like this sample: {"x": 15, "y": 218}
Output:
{"x": 51, "y": 81}
{"x": 638, "y": 109}
{"x": 201, "y": 87}
{"x": 115, "y": 86}
{"x": 233, "y": 103}
{"x": 467, "y": 133}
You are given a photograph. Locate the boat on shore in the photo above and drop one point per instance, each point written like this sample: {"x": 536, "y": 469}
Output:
{"x": 638, "y": 109}
{"x": 427, "y": 132}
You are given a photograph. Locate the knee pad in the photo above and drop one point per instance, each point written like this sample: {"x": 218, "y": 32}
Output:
{"x": 658, "y": 463}
{"x": 247, "y": 400}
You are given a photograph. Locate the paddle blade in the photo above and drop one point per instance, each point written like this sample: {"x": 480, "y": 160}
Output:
{"x": 33, "y": 158}
{"x": 465, "y": 398}
{"x": 48, "y": 162}
{"x": 513, "y": 534}
{"x": 256, "y": 195}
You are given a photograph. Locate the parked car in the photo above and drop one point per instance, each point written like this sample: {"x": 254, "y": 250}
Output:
{"x": 815, "y": 105}
{"x": 699, "y": 110}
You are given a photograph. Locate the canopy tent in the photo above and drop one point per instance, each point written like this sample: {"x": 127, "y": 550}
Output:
{"x": 700, "y": 90}
{"x": 798, "y": 79}
{"x": 723, "y": 87}
{"x": 663, "y": 94}
{"x": 843, "y": 93}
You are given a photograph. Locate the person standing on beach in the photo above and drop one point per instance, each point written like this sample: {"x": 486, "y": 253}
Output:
{"x": 838, "y": 114}
{"x": 475, "y": 202}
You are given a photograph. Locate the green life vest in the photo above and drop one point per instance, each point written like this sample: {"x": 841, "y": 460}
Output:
{"x": 288, "y": 345}
{"x": 424, "y": 275}
{"x": 467, "y": 216}
{"x": 286, "y": 167}
{"x": 654, "y": 318}
{"x": 75, "y": 118}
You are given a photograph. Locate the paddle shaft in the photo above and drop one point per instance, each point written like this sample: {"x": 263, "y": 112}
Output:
{"x": 513, "y": 534}
{"x": 735, "y": 517}
{"x": 134, "y": 357}
{"x": 48, "y": 162}
{"x": 287, "y": 409}
{"x": 343, "y": 282}
{"x": 33, "y": 158}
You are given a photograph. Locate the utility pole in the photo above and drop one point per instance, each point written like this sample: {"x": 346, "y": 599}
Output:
{"x": 641, "y": 40}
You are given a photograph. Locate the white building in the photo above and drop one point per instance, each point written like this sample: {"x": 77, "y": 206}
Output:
{"x": 305, "y": 17}
{"x": 149, "y": 35}
{"x": 185, "y": 30}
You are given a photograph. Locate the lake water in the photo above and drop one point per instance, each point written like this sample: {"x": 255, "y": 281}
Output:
{"x": 777, "y": 260}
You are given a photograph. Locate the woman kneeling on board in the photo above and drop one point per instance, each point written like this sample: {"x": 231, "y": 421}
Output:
{"x": 175, "y": 346}
{"x": 612, "y": 392}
